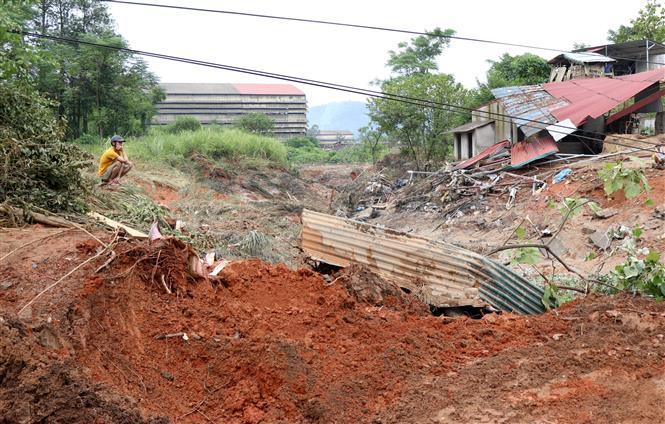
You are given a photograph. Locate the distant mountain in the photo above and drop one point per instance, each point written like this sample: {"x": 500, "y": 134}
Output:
{"x": 348, "y": 116}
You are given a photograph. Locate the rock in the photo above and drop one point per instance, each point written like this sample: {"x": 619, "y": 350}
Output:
{"x": 490, "y": 318}
{"x": 605, "y": 213}
{"x": 588, "y": 229}
{"x": 557, "y": 336}
{"x": 659, "y": 212}
{"x": 6, "y": 285}
{"x": 167, "y": 375}
{"x": 600, "y": 239}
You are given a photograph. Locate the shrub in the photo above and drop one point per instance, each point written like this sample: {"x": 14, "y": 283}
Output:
{"x": 256, "y": 123}
{"x": 617, "y": 177}
{"x": 183, "y": 123}
{"x": 37, "y": 167}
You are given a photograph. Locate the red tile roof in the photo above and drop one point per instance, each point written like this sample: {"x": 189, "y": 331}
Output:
{"x": 268, "y": 89}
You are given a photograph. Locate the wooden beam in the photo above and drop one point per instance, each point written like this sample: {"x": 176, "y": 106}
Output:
{"x": 115, "y": 224}
{"x": 637, "y": 105}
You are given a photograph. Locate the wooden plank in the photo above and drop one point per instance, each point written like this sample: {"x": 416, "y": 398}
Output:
{"x": 115, "y": 224}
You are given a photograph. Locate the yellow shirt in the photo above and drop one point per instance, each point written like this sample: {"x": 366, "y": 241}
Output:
{"x": 107, "y": 159}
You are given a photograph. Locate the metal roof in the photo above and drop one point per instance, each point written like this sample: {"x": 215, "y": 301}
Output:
{"x": 469, "y": 126}
{"x": 527, "y": 104}
{"x": 443, "y": 274}
{"x": 493, "y": 149}
{"x": 212, "y": 89}
{"x": 582, "y": 57}
{"x": 629, "y": 49}
{"x": 592, "y": 97}
{"x": 536, "y": 147}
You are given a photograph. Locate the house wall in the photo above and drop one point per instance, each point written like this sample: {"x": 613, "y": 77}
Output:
{"x": 464, "y": 152}
{"x": 503, "y": 127}
{"x": 483, "y": 138}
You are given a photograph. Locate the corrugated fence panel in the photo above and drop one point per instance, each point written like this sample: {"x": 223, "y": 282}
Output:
{"x": 445, "y": 275}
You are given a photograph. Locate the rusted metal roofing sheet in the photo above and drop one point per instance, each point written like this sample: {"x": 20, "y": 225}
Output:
{"x": 483, "y": 155}
{"x": 592, "y": 97}
{"x": 536, "y": 147}
{"x": 443, "y": 274}
{"x": 529, "y": 106}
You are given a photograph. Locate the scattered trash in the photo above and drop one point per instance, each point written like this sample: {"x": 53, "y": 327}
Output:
{"x": 561, "y": 175}
{"x": 154, "y": 232}
{"x": 511, "y": 197}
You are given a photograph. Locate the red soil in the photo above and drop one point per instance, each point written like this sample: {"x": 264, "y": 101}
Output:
{"x": 268, "y": 344}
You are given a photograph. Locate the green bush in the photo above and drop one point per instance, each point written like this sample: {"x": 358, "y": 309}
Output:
{"x": 37, "y": 167}
{"x": 183, "y": 123}
{"x": 302, "y": 141}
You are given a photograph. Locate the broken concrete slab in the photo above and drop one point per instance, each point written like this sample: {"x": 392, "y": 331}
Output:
{"x": 600, "y": 239}
{"x": 605, "y": 213}
{"x": 659, "y": 212}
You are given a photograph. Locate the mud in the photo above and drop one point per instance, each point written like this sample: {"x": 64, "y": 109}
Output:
{"x": 267, "y": 344}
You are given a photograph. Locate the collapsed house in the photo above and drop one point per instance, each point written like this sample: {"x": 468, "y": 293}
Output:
{"x": 559, "y": 117}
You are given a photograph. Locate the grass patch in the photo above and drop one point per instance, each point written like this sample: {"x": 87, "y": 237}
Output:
{"x": 214, "y": 142}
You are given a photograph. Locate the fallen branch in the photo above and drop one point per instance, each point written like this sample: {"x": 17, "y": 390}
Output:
{"x": 565, "y": 219}
{"x": 169, "y": 336}
{"x": 540, "y": 246}
{"x": 105, "y": 264}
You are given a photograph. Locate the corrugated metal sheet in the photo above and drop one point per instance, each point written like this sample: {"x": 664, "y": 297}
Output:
{"x": 484, "y": 154}
{"x": 583, "y": 57}
{"x": 537, "y": 147}
{"x": 527, "y": 104}
{"x": 469, "y": 126}
{"x": 445, "y": 275}
{"x": 593, "y": 97}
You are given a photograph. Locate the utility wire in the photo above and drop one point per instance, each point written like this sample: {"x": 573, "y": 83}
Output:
{"x": 370, "y": 27}
{"x": 371, "y": 93}
{"x": 367, "y": 92}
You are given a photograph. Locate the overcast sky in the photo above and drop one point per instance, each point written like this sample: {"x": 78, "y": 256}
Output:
{"x": 351, "y": 56}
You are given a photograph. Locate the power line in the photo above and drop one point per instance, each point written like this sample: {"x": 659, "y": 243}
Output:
{"x": 355, "y": 90}
{"x": 360, "y": 26}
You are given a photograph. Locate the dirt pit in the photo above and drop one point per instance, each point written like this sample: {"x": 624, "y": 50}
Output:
{"x": 266, "y": 344}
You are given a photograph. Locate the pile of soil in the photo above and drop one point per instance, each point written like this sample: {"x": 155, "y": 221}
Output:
{"x": 268, "y": 344}
{"x": 37, "y": 386}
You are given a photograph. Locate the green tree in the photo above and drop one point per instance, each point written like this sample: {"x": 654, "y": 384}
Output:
{"x": 525, "y": 69}
{"x": 99, "y": 90}
{"x": 373, "y": 140}
{"x": 649, "y": 24}
{"x": 16, "y": 56}
{"x": 257, "y": 123}
{"x": 419, "y": 129}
